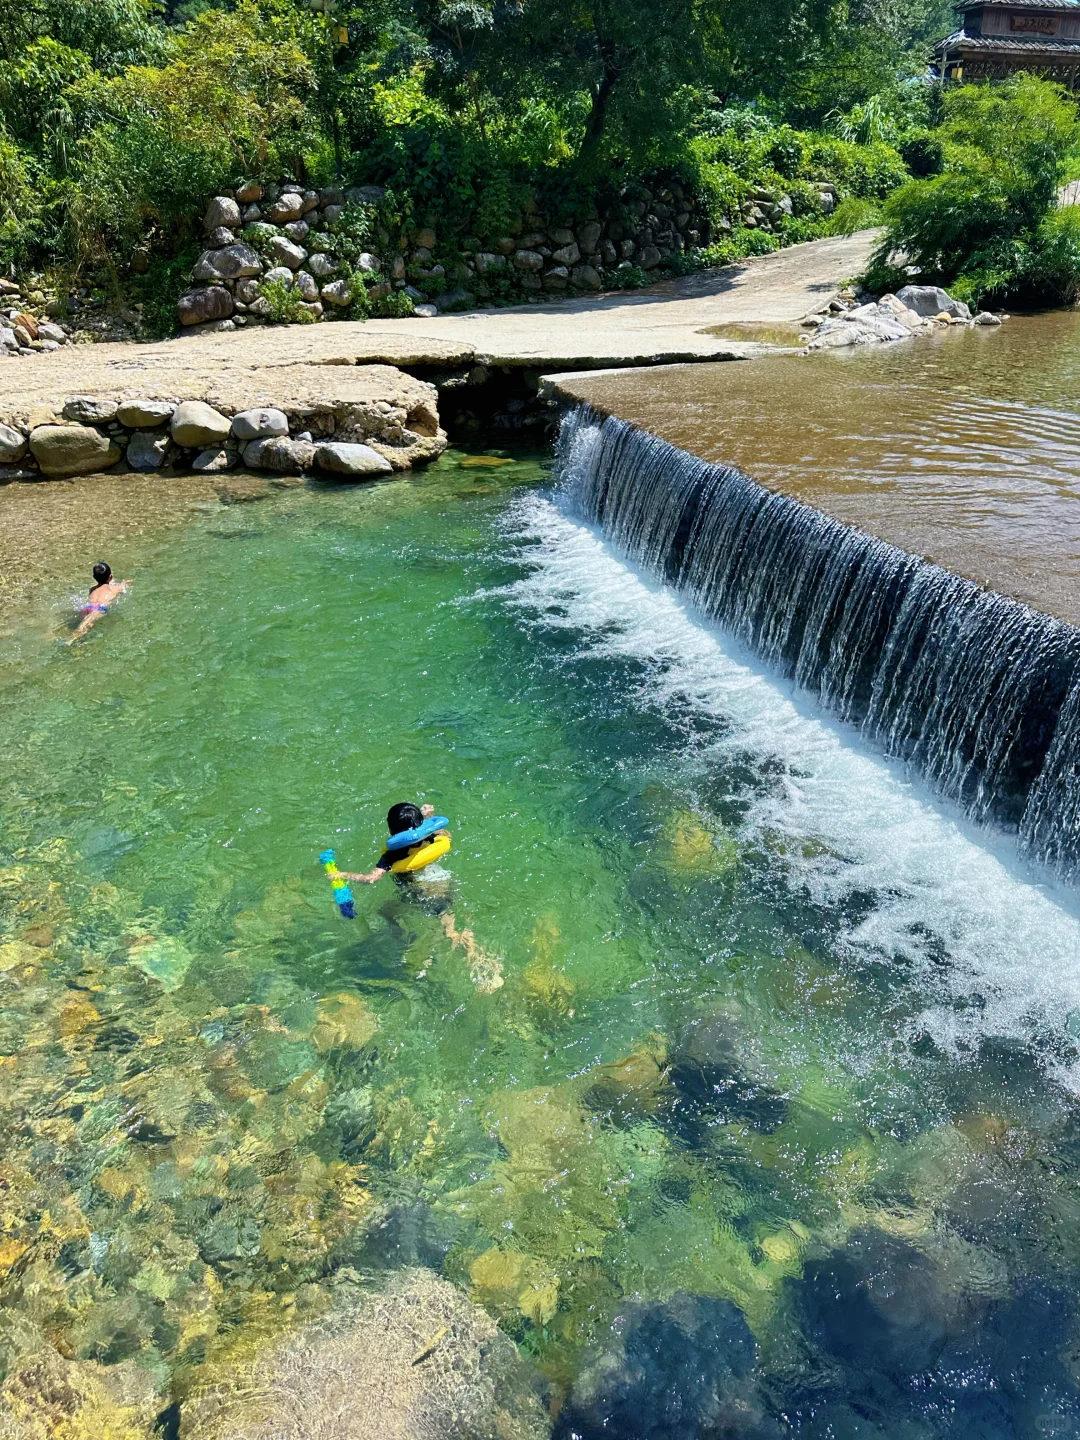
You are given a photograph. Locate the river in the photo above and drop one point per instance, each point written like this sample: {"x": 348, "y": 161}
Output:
{"x": 748, "y": 1105}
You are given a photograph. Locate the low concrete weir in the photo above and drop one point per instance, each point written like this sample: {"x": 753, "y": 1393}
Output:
{"x": 978, "y": 692}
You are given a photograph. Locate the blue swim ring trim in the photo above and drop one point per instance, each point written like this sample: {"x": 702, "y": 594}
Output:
{"x": 404, "y": 838}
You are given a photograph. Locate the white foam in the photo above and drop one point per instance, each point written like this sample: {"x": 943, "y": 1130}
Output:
{"x": 1012, "y": 941}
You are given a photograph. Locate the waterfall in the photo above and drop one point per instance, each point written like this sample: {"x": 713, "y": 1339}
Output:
{"x": 976, "y": 691}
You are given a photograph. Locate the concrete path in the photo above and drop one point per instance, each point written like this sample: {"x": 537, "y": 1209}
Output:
{"x": 664, "y": 324}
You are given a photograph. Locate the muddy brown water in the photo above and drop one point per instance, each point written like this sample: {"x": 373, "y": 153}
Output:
{"x": 963, "y": 447}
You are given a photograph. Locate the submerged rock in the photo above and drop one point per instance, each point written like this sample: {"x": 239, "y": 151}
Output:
{"x": 879, "y": 1304}
{"x": 717, "y": 1079}
{"x": 415, "y": 1362}
{"x": 678, "y": 1371}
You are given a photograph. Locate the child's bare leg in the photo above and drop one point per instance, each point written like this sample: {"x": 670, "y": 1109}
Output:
{"x": 485, "y": 970}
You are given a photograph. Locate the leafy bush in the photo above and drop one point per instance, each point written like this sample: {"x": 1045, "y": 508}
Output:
{"x": 395, "y": 306}
{"x": 853, "y": 214}
{"x": 286, "y": 304}
{"x": 630, "y": 278}
{"x": 985, "y": 223}
{"x": 870, "y": 172}
{"x": 923, "y": 153}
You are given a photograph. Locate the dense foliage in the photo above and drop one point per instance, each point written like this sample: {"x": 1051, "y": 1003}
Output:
{"x": 119, "y": 117}
{"x": 986, "y": 223}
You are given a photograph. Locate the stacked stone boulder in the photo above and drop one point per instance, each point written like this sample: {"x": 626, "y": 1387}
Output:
{"x": 24, "y": 328}
{"x": 356, "y": 436}
{"x": 292, "y": 226}
{"x": 765, "y": 209}
{"x": 292, "y": 229}
{"x": 584, "y": 257}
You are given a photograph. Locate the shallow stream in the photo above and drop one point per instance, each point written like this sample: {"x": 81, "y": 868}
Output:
{"x": 711, "y": 1001}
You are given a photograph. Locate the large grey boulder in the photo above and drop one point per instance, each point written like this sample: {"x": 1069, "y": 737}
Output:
{"x": 297, "y": 231}
{"x": 366, "y": 195}
{"x": 416, "y": 1362}
{"x": 589, "y": 235}
{"x": 279, "y": 275}
{"x": 487, "y": 261}
{"x": 220, "y": 237}
{"x": 199, "y": 306}
{"x": 144, "y": 414}
{"x": 12, "y": 445}
{"x": 337, "y": 458}
{"x": 221, "y": 212}
{"x": 48, "y": 331}
{"x": 289, "y": 206}
{"x": 932, "y": 300}
{"x": 584, "y": 277}
{"x": 249, "y": 192}
{"x": 367, "y": 264}
{"x": 287, "y": 457}
{"x": 307, "y": 287}
{"x": 90, "y": 409}
{"x": 568, "y": 255}
{"x": 286, "y": 252}
{"x": 650, "y": 258}
{"x": 196, "y": 425}
{"x": 259, "y": 424}
{"x": 233, "y": 263}
{"x": 337, "y": 292}
{"x": 72, "y": 450}
{"x": 146, "y": 450}
{"x": 528, "y": 260}
{"x": 214, "y": 460}
{"x": 321, "y": 265}
{"x": 455, "y": 300}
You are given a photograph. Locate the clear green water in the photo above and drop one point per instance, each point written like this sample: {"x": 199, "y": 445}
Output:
{"x": 697, "y": 1075}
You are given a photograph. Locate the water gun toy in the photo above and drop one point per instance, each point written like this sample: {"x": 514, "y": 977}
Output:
{"x": 342, "y": 893}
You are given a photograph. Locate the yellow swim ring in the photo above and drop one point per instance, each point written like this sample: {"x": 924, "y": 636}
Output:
{"x": 426, "y": 854}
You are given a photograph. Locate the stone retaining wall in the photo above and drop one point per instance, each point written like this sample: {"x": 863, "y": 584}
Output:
{"x": 287, "y": 237}
{"x": 348, "y": 422}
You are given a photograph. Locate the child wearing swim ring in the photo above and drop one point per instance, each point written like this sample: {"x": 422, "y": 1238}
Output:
{"x": 486, "y": 970}
{"x": 399, "y": 818}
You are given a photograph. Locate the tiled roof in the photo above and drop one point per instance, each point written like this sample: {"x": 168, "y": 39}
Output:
{"x": 1011, "y": 44}
{"x": 1066, "y": 7}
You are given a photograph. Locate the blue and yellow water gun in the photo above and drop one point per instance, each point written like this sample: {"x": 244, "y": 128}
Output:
{"x": 342, "y": 893}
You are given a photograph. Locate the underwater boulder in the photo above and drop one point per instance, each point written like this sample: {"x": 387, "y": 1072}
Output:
{"x": 716, "y": 1078}
{"x": 677, "y": 1371}
{"x": 415, "y": 1361}
{"x": 881, "y": 1305}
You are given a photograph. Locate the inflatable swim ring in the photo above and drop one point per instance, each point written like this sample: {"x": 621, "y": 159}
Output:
{"x": 426, "y": 855}
{"x": 404, "y": 838}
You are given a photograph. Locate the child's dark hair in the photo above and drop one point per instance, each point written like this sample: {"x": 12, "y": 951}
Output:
{"x": 403, "y": 817}
{"x": 102, "y": 574}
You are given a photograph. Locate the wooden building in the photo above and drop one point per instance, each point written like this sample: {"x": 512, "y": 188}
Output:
{"x": 998, "y": 37}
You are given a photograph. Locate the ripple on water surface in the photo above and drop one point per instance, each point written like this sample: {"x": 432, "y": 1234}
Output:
{"x": 764, "y": 1127}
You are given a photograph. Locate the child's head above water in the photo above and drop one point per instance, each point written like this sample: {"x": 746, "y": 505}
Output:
{"x": 403, "y": 817}
{"x": 102, "y": 573}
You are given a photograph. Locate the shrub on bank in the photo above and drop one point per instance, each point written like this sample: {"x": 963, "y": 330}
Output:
{"x": 985, "y": 226}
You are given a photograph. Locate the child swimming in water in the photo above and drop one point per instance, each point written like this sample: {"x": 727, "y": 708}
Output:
{"x": 102, "y": 593}
{"x": 485, "y": 970}
{"x": 399, "y": 818}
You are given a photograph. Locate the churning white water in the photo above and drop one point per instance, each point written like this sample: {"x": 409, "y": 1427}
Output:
{"x": 941, "y": 887}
